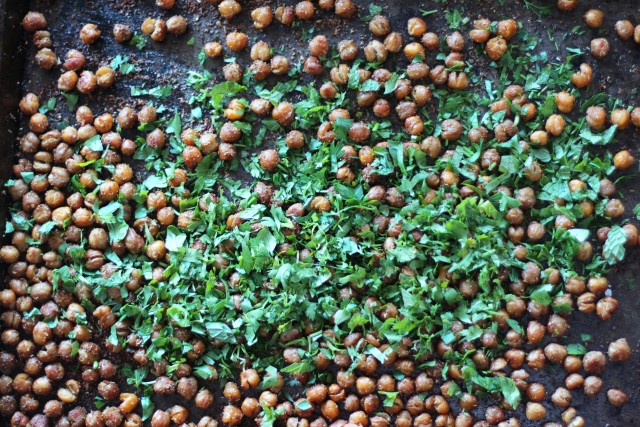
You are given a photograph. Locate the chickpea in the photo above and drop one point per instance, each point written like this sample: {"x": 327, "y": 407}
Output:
{"x": 599, "y": 47}
{"x": 319, "y": 46}
{"x": 122, "y": 33}
{"x": 507, "y": 29}
{"x": 596, "y": 117}
{"x": 269, "y": 160}
{"x": 232, "y": 415}
{"x": 177, "y": 25}
{"x": 229, "y": 8}
{"x": 46, "y": 59}
{"x": 594, "y": 18}
{"x": 90, "y": 33}
{"x": 555, "y": 124}
{"x": 262, "y": 17}
{"x": 295, "y": 140}
{"x": 624, "y": 29}
{"x": 496, "y": 48}
{"x": 623, "y": 160}
{"x": 237, "y": 41}
{"x": 565, "y": 102}
{"x": 379, "y": 25}
{"x": 345, "y": 8}
{"x": 620, "y": 118}
{"x": 30, "y": 104}
{"x": 583, "y": 77}
{"x": 619, "y": 350}
{"x": 375, "y": 51}
{"x": 304, "y": 10}
{"x": 284, "y": 114}
{"x": 617, "y": 398}
{"x": 34, "y": 21}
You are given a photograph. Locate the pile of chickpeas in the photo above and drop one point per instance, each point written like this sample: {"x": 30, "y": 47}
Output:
{"x": 47, "y": 366}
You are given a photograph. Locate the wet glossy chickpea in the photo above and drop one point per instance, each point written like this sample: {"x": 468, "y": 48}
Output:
{"x": 636, "y": 34}
{"x": 594, "y": 18}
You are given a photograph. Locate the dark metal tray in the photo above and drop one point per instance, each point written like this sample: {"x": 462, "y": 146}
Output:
{"x": 618, "y": 74}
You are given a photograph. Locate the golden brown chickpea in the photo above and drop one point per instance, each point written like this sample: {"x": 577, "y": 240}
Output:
{"x": 555, "y": 124}
{"x": 319, "y": 46}
{"x": 34, "y": 21}
{"x": 90, "y": 33}
{"x": 348, "y": 50}
{"x": 87, "y": 82}
{"x": 412, "y": 50}
{"x": 596, "y": 117}
{"x": 564, "y": 102}
{"x": 46, "y": 59}
{"x": 636, "y": 34}
{"x": 232, "y": 72}
{"x": 304, "y": 10}
{"x": 166, "y": 4}
{"x": 295, "y": 140}
{"x": 416, "y": 27}
{"x": 496, "y": 48}
{"x": 375, "y": 51}
{"x": 583, "y": 77}
{"x": 620, "y": 118}
{"x": 30, "y": 104}
{"x": 122, "y": 33}
{"x": 455, "y": 41}
{"x": 345, "y": 8}
{"x": 38, "y": 123}
{"x": 284, "y": 114}
{"x": 567, "y": 5}
{"x": 594, "y": 18}
{"x": 379, "y": 25}
{"x": 507, "y": 29}
{"x": 623, "y": 160}
{"x": 237, "y": 41}
{"x": 262, "y": 17}
{"x": 213, "y": 49}
{"x": 227, "y": 152}
{"x": 599, "y": 47}
{"x": 619, "y": 350}
{"x": 279, "y": 65}
{"x": 261, "y": 51}
{"x": 269, "y": 160}
{"x": 229, "y": 8}
{"x": 624, "y": 29}
{"x": 393, "y": 42}
{"x": 285, "y": 15}
{"x": 177, "y": 25}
